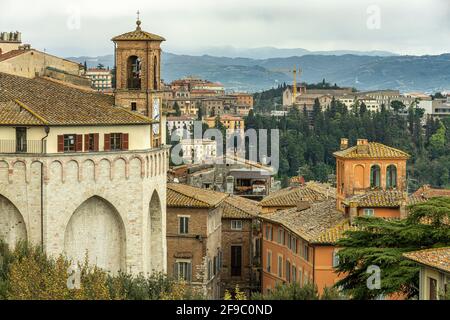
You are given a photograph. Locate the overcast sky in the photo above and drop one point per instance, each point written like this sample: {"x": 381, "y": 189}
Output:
{"x": 72, "y": 28}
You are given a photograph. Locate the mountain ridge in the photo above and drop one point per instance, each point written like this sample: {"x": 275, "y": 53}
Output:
{"x": 428, "y": 73}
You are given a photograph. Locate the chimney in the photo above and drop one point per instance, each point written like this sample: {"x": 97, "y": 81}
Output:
{"x": 344, "y": 143}
{"x": 362, "y": 146}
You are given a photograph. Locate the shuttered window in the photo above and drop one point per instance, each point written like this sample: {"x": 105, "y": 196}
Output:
{"x": 183, "y": 271}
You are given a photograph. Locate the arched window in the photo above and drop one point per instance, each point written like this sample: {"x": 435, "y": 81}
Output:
{"x": 134, "y": 73}
{"x": 155, "y": 73}
{"x": 375, "y": 173}
{"x": 391, "y": 176}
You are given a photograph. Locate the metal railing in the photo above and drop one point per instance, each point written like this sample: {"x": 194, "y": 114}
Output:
{"x": 26, "y": 146}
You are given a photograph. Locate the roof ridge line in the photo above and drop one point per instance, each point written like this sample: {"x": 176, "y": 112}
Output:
{"x": 33, "y": 113}
{"x": 150, "y": 121}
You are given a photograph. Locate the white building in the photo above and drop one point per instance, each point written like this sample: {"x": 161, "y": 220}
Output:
{"x": 101, "y": 78}
{"x": 180, "y": 123}
{"x": 199, "y": 150}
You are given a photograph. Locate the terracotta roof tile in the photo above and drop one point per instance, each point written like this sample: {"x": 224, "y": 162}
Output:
{"x": 290, "y": 197}
{"x": 58, "y": 104}
{"x": 383, "y": 199}
{"x": 239, "y": 207}
{"x": 310, "y": 223}
{"x": 375, "y": 150}
{"x": 11, "y": 112}
{"x": 437, "y": 258}
{"x": 333, "y": 234}
{"x": 11, "y": 54}
{"x": 182, "y": 195}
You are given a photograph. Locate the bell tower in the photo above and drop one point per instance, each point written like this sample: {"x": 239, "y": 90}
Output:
{"x": 138, "y": 67}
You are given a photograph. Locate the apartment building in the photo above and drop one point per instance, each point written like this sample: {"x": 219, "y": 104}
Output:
{"x": 101, "y": 78}
{"x": 194, "y": 237}
{"x": 241, "y": 245}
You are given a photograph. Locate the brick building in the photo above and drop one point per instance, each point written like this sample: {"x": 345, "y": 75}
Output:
{"x": 194, "y": 237}
{"x": 241, "y": 245}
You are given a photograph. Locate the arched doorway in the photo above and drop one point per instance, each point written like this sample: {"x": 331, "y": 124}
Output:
{"x": 391, "y": 176}
{"x": 134, "y": 73}
{"x": 156, "y": 235}
{"x": 96, "y": 229}
{"x": 12, "y": 225}
{"x": 375, "y": 176}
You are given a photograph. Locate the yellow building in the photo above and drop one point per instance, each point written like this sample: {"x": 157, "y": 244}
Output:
{"x": 434, "y": 275}
{"x": 228, "y": 121}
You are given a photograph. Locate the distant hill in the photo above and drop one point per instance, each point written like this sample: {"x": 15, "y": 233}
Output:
{"x": 272, "y": 52}
{"x": 405, "y": 73}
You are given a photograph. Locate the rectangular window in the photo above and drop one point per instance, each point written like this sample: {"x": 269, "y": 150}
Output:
{"x": 280, "y": 266}
{"x": 184, "y": 225}
{"x": 236, "y": 261}
{"x": 369, "y": 212}
{"x": 269, "y": 261}
{"x": 133, "y": 106}
{"x": 116, "y": 141}
{"x": 69, "y": 142}
{"x": 300, "y": 277}
{"x": 294, "y": 244}
{"x": 280, "y": 235}
{"x": 288, "y": 271}
{"x": 335, "y": 258}
{"x": 183, "y": 271}
{"x": 294, "y": 274}
{"x": 236, "y": 224}
{"x": 21, "y": 139}
{"x": 306, "y": 253}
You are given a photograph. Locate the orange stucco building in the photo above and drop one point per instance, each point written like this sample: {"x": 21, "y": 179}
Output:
{"x": 371, "y": 179}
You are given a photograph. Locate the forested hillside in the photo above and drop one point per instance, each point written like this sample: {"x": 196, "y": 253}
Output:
{"x": 307, "y": 145}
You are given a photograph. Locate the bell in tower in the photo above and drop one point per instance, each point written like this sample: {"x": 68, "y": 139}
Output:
{"x": 138, "y": 67}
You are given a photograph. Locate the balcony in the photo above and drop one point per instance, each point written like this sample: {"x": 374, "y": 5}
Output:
{"x": 26, "y": 146}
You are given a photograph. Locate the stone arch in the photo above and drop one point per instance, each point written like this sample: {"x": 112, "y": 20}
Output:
{"x": 88, "y": 170}
{"x": 97, "y": 229}
{"x": 136, "y": 166}
{"x": 19, "y": 171}
{"x": 134, "y": 66}
{"x": 4, "y": 172}
{"x": 72, "y": 172}
{"x": 120, "y": 168}
{"x": 12, "y": 224}
{"x": 56, "y": 171}
{"x": 156, "y": 233}
{"x": 104, "y": 169}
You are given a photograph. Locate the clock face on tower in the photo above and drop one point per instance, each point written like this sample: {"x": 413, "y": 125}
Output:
{"x": 156, "y": 115}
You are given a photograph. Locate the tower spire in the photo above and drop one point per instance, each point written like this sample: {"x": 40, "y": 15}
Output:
{"x": 138, "y": 21}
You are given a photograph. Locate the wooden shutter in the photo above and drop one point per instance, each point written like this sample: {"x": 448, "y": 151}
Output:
{"x": 86, "y": 142}
{"x": 79, "y": 143}
{"x": 107, "y": 146}
{"x": 60, "y": 143}
{"x": 124, "y": 141}
{"x": 96, "y": 140}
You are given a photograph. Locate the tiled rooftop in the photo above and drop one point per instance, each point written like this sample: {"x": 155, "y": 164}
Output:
{"x": 240, "y": 208}
{"x": 185, "y": 196}
{"x": 57, "y": 104}
{"x": 375, "y": 150}
{"x": 310, "y": 223}
{"x": 382, "y": 199}
{"x": 333, "y": 234}
{"x": 291, "y": 196}
{"x": 437, "y": 258}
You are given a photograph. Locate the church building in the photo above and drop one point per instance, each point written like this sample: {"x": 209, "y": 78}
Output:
{"x": 83, "y": 172}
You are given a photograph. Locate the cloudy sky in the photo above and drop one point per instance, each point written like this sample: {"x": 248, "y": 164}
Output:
{"x": 85, "y": 27}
